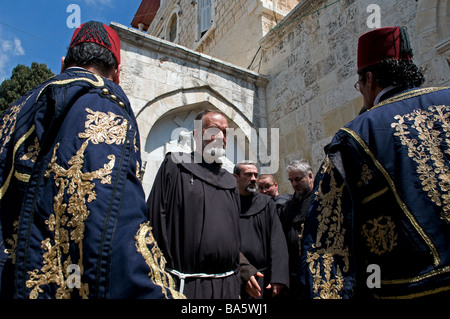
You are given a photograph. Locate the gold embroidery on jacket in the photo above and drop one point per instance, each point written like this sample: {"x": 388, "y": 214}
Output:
{"x": 12, "y": 242}
{"x": 366, "y": 175}
{"x": 374, "y": 195}
{"x": 329, "y": 241}
{"x": 33, "y": 151}
{"x": 98, "y": 82}
{"x": 396, "y": 194}
{"x": 8, "y": 124}
{"x": 106, "y": 128}
{"x": 68, "y": 218}
{"x": 138, "y": 171}
{"x": 138, "y": 164}
{"x": 21, "y": 140}
{"x": 424, "y": 147}
{"x": 380, "y": 235}
{"x": 408, "y": 95}
{"x": 22, "y": 177}
{"x": 156, "y": 261}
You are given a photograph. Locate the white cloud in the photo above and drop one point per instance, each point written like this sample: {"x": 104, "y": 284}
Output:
{"x": 8, "y": 48}
{"x": 18, "y": 49}
{"x": 11, "y": 47}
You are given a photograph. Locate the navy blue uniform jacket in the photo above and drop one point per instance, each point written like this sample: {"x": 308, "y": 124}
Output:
{"x": 72, "y": 208}
{"x": 379, "y": 220}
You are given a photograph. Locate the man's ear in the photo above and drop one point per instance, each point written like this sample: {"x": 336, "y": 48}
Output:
{"x": 370, "y": 80}
{"x": 63, "y": 67}
{"x": 116, "y": 77}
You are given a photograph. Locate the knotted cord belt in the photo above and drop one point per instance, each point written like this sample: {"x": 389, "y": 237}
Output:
{"x": 183, "y": 276}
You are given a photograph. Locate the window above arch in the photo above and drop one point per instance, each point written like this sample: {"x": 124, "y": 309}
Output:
{"x": 206, "y": 20}
{"x": 172, "y": 28}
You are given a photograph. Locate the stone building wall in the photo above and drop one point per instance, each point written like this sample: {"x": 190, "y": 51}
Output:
{"x": 310, "y": 61}
{"x": 237, "y": 26}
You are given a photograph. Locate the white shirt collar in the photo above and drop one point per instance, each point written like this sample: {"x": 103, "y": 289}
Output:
{"x": 385, "y": 90}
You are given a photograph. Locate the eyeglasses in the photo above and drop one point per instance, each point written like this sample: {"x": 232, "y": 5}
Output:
{"x": 265, "y": 186}
{"x": 357, "y": 86}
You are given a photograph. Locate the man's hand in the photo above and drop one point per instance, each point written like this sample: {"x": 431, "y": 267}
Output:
{"x": 252, "y": 287}
{"x": 276, "y": 288}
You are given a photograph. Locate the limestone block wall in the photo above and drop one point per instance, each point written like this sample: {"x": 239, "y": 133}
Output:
{"x": 237, "y": 26}
{"x": 310, "y": 61}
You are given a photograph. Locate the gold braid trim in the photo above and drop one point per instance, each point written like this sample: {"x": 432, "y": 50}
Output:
{"x": 156, "y": 261}
{"x": 5, "y": 186}
{"x": 408, "y": 95}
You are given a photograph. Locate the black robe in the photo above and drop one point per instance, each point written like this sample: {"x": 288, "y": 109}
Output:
{"x": 280, "y": 202}
{"x": 194, "y": 211}
{"x": 292, "y": 219}
{"x": 262, "y": 240}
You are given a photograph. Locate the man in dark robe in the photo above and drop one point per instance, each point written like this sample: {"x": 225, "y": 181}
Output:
{"x": 194, "y": 211}
{"x": 268, "y": 185}
{"x": 262, "y": 239}
{"x": 379, "y": 221}
{"x": 293, "y": 218}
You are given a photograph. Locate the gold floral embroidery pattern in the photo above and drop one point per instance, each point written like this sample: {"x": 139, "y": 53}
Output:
{"x": 33, "y": 151}
{"x": 138, "y": 171}
{"x": 379, "y": 234}
{"x": 366, "y": 175}
{"x": 329, "y": 241}
{"x": 12, "y": 242}
{"x": 105, "y": 128}
{"x": 67, "y": 222}
{"x": 7, "y": 127}
{"x": 156, "y": 261}
{"x": 9, "y": 123}
{"x": 420, "y": 131}
{"x": 138, "y": 164}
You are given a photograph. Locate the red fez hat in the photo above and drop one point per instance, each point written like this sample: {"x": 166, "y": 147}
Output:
{"x": 97, "y": 32}
{"x": 383, "y": 44}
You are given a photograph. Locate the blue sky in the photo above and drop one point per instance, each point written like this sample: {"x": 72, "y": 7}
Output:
{"x": 38, "y": 30}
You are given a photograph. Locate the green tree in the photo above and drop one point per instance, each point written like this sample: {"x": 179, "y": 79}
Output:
{"x": 22, "y": 80}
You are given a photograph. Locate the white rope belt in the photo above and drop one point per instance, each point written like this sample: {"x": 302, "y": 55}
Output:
{"x": 183, "y": 276}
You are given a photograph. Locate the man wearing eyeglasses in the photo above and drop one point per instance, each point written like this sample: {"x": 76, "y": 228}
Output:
{"x": 269, "y": 186}
{"x": 381, "y": 198}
